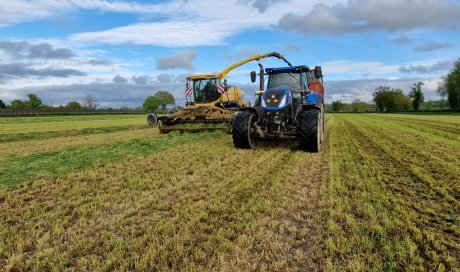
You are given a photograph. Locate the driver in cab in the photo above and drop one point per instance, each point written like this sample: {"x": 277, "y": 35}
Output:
{"x": 209, "y": 87}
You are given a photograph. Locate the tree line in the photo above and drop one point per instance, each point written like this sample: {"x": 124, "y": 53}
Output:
{"x": 33, "y": 102}
{"x": 390, "y": 99}
{"x": 155, "y": 103}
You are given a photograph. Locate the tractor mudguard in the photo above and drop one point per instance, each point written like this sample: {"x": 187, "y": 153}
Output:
{"x": 315, "y": 99}
{"x": 309, "y": 106}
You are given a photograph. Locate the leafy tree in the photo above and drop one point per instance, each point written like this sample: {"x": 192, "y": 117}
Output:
{"x": 73, "y": 105}
{"x": 165, "y": 98}
{"x": 90, "y": 102}
{"x": 417, "y": 95}
{"x": 442, "y": 90}
{"x": 18, "y": 104}
{"x": 381, "y": 95}
{"x": 34, "y": 102}
{"x": 357, "y": 105}
{"x": 400, "y": 101}
{"x": 390, "y": 99}
{"x": 2, "y": 105}
{"x": 450, "y": 86}
{"x": 151, "y": 104}
{"x": 337, "y": 106}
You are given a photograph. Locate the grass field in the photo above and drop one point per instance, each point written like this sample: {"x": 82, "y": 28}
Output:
{"x": 104, "y": 193}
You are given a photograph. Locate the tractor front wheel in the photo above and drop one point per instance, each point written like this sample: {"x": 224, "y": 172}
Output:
{"x": 309, "y": 130}
{"x": 243, "y": 132}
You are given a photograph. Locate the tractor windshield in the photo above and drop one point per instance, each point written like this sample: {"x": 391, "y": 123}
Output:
{"x": 205, "y": 90}
{"x": 287, "y": 79}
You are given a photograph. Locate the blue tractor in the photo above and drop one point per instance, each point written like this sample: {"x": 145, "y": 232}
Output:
{"x": 291, "y": 106}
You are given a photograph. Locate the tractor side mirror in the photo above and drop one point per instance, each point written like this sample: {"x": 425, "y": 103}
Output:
{"x": 225, "y": 82}
{"x": 186, "y": 85}
{"x": 253, "y": 76}
{"x": 318, "y": 72}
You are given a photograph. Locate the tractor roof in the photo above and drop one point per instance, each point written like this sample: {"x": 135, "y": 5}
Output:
{"x": 203, "y": 76}
{"x": 287, "y": 69}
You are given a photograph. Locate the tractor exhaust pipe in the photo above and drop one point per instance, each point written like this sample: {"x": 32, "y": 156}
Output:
{"x": 262, "y": 77}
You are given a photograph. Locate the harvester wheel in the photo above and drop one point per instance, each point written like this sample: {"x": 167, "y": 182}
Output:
{"x": 243, "y": 132}
{"x": 152, "y": 119}
{"x": 309, "y": 130}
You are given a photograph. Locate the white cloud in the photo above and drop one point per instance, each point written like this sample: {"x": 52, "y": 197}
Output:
{"x": 182, "y": 23}
{"x": 241, "y": 53}
{"x": 433, "y": 46}
{"x": 358, "y": 16}
{"x": 168, "y": 34}
{"x": 427, "y": 67}
{"x": 180, "y": 60}
{"x": 17, "y": 11}
{"x": 198, "y": 22}
{"x": 358, "y": 68}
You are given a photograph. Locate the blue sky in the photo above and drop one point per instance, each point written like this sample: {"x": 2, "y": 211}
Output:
{"x": 122, "y": 51}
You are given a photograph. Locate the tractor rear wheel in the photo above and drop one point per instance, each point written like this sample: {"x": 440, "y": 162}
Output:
{"x": 309, "y": 130}
{"x": 243, "y": 132}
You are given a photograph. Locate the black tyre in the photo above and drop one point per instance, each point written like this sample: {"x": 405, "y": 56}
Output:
{"x": 243, "y": 131}
{"x": 309, "y": 130}
{"x": 152, "y": 119}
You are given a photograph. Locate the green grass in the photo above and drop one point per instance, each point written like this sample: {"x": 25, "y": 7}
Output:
{"x": 26, "y": 125}
{"x": 394, "y": 194}
{"x": 16, "y": 169}
{"x": 382, "y": 195}
{"x": 63, "y": 133}
{"x": 69, "y": 118}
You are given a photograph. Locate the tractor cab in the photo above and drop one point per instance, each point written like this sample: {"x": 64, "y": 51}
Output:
{"x": 205, "y": 90}
{"x": 285, "y": 85}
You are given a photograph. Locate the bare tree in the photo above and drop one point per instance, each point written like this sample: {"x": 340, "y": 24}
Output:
{"x": 90, "y": 102}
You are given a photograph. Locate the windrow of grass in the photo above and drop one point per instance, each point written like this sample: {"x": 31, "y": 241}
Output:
{"x": 16, "y": 168}
{"x": 21, "y": 149}
{"x": 446, "y": 128}
{"x": 24, "y": 125}
{"x": 5, "y": 138}
{"x": 393, "y": 197}
{"x": 198, "y": 206}
{"x": 67, "y": 118}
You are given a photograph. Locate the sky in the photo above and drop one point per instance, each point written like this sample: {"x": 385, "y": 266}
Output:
{"x": 120, "y": 52}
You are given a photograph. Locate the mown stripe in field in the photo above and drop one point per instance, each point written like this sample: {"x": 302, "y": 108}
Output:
{"x": 394, "y": 214}
{"x": 436, "y": 159}
{"x": 5, "y": 138}
{"x": 21, "y": 149}
{"x": 68, "y": 118}
{"x": 438, "y": 128}
{"x": 64, "y": 124}
{"x": 14, "y": 169}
